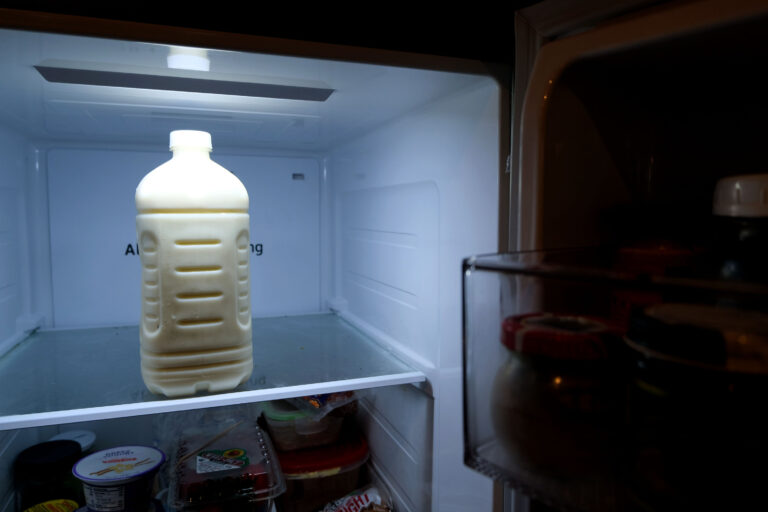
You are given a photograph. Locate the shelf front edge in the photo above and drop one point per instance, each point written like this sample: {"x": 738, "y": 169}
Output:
{"x": 201, "y": 402}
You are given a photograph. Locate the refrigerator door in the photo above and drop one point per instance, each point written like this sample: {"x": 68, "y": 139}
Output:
{"x": 626, "y": 126}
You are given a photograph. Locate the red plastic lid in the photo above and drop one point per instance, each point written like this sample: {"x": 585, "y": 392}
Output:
{"x": 557, "y": 336}
{"x": 348, "y": 453}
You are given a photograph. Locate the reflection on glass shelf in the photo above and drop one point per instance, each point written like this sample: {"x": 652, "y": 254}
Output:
{"x": 61, "y": 376}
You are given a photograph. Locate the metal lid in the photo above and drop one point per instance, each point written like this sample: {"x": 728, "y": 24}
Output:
{"x": 742, "y": 196}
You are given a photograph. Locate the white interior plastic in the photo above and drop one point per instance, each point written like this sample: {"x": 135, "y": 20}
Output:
{"x": 364, "y": 204}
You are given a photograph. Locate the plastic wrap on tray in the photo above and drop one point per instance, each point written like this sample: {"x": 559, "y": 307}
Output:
{"x": 326, "y": 403}
{"x": 223, "y": 463}
{"x": 293, "y": 428}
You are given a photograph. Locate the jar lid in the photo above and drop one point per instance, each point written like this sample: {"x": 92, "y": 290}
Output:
{"x": 742, "y": 196}
{"x": 282, "y": 410}
{"x": 118, "y": 465}
{"x": 86, "y": 438}
{"x": 350, "y": 452}
{"x": 48, "y": 458}
{"x": 718, "y": 337}
{"x": 557, "y": 336}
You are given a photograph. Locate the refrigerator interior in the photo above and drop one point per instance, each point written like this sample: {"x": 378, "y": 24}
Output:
{"x": 362, "y": 206}
{"x": 626, "y": 129}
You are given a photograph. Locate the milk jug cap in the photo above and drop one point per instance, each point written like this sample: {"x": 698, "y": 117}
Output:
{"x": 190, "y": 139}
{"x": 742, "y": 196}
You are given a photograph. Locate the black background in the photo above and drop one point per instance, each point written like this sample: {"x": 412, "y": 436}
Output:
{"x": 465, "y": 30}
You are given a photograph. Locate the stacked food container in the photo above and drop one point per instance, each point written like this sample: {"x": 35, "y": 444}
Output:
{"x": 321, "y": 451}
{"x": 214, "y": 460}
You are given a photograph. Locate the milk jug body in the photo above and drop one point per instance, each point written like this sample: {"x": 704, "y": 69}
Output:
{"x": 192, "y": 227}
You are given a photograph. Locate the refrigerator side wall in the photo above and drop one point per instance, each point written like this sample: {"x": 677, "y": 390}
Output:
{"x": 411, "y": 199}
{"x": 14, "y": 271}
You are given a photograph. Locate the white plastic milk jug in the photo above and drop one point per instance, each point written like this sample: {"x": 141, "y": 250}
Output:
{"x": 192, "y": 227}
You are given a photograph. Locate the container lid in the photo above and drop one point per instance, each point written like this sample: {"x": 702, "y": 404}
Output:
{"x": 232, "y": 470}
{"x": 349, "y": 452}
{"x": 282, "y": 410}
{"x": 50, "y": 457}
{"x": 86, "y": 438}
{"x": 190, "y": 139}
{"x": 701, "y": 335}
{"x": 742, "y": 196}
{"x": 558, "y": 336}
{"x": 118, "y": 465}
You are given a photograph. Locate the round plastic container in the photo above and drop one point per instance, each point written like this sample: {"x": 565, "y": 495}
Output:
{"x": 119, "y": 479}
{"x": 86, "y": 438}
{"x": 697, "y": 419}
{"x": 42, "y": 473}
{"x": 292, "y": 428}
{"x": 557, "y": 399}
{"x": 193, "y": 230}
{"x": 317, "y": 476}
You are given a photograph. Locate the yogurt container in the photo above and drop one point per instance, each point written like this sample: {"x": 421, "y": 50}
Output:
{"x": 119, "y": 479}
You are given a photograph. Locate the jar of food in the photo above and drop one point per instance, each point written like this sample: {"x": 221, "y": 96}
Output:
{"x": 696, "y": 407}
{"x": 557, "y": 400}
{"x": 316, "y": 476}
{"x": 42, "y": 474}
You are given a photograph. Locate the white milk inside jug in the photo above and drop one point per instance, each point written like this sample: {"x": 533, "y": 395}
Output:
{"x": 192, "y": 228}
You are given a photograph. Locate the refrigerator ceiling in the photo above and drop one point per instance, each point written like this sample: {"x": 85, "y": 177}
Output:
{"x": 245, "y": 100}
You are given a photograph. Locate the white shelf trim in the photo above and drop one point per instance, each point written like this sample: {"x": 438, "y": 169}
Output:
{"x": 202, "y": 402}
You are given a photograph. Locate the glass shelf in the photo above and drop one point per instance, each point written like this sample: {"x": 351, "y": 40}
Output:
{"x": 64, "y": 376}
{"x": 609, "y": 379}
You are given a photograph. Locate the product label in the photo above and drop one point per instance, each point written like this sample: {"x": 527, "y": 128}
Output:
{"x": 105, "y": 499}
{"x": 210, "y": 461}
{"x": 356, "y": 501}
{"x": 54, "y": 506}
{"x": 132, "y": 249}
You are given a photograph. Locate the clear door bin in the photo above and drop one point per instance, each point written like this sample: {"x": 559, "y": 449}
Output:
{"x": 593, "y": 382}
